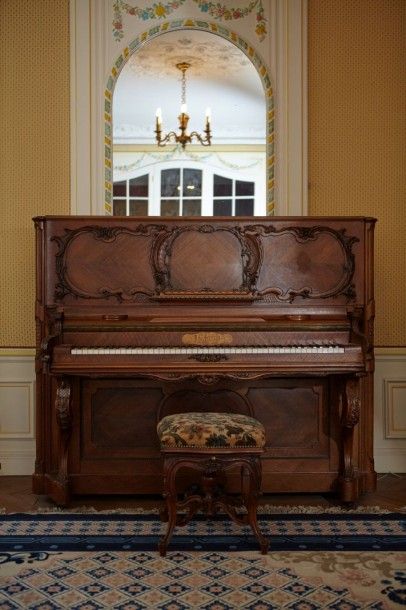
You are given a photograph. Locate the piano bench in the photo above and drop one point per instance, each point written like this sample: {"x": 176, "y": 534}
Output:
{"x": 212, "y": 444}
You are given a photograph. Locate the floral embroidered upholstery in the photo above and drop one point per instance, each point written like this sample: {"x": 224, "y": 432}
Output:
{"x": 210, "y": 430}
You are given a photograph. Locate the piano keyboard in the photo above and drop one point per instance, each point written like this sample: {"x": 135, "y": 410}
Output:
{"x": 291, "y": 349}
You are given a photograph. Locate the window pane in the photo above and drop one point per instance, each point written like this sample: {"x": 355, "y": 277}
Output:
{"x": 192, "y": 182}
{"x": 244, "y": 188}
{"x": 244, "y": 207}
{"x": 138, "y": 208}
{"x": 139, "y": 186}
{"x": 170, "y": 207}
{"x": 192, "y": 207}
{"x": 118, "y": 207}
{"x": 119, "y": 189}
{"x": 222, "y": 187}
{"x": 222, "y": 207}
{"x": 170, "y": 183}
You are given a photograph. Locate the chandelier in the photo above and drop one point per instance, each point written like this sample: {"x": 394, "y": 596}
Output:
{"x": 183, "y": 137}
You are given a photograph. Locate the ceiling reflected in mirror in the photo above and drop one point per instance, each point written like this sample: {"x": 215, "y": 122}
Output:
{"x": 220, "y": 77}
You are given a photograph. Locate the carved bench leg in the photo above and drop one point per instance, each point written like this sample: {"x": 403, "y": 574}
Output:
{"x": 164, "y": 541}
{"x": 169, "y": 513}
{"x": 170, "y": 495}
{"x": 211, "y": 499}
{"x": 253, "y": 469}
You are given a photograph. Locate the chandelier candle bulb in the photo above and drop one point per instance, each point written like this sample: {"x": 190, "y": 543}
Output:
{"x": 158, "y": 115}
{"x": 183, "y": 108}
{"x": 208, "y": 115}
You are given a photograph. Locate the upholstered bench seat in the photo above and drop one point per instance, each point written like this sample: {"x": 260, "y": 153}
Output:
{"x": 212, "y": 444}
{"x": 210, "y": 430}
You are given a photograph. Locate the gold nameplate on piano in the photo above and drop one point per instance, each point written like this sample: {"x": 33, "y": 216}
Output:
{"x": 203, "y": 338}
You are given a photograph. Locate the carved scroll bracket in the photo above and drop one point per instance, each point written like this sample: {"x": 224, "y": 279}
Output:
{"x": 349, "y": 419}
{"x": 53, "y": 326}
{"x": 303, "y": 234}
{"x": 64, "y": 420}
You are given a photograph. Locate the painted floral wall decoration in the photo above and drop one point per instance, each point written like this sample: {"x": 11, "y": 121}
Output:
{"x": 161, "y": 10}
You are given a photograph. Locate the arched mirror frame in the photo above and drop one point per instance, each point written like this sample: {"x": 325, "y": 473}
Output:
{"x": 93, "y": 50}
{"x": 213, "y": 30}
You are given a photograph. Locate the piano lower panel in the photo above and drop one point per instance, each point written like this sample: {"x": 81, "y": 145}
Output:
{"x": 272, "y": 482}
{"x": 113, "y": 447}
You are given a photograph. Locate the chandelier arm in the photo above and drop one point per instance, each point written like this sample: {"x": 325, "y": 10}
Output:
{"x": 165, "y": 139}
{"x": 205, "y": 141}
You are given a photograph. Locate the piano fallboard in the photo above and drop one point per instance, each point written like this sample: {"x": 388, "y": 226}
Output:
{"x": 266, "y": 360}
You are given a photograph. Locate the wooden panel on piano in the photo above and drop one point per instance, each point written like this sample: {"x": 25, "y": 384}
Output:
{"x": 227, "y": 283}
{"x": 301, "y": 427}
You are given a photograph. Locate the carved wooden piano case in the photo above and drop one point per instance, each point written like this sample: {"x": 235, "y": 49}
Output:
{"x": 138, "y": 318}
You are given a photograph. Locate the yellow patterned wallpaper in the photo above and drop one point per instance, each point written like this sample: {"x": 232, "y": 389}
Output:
{"x": 357, "y": 135}
{"x": 34, "y": 168}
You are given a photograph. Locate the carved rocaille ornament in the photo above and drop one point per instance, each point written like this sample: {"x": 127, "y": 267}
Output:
{"x": 161, "y": 239}
{"x": 62, "y": 406}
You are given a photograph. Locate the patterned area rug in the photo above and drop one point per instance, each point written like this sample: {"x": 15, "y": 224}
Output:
{"x": 96, "y": 561}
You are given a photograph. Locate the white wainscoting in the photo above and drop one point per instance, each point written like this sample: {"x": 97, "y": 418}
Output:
{"x": 17, "y": 412}
{"x": 390, "y": 410}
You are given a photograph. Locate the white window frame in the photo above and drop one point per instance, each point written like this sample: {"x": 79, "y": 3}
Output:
{"x": 208, "y": 171}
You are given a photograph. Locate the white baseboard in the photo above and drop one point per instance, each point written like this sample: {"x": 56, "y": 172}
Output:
{"x": 390, "y": 460}
{"x": 17, "y": 462}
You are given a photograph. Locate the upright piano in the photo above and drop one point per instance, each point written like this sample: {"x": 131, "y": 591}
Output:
{"x": 138, "y": 318}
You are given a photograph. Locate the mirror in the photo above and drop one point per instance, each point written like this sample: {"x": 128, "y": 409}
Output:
{"x": 226, "y": 178}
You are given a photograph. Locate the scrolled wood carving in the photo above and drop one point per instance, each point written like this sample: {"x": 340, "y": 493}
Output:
{"x": 53, "y": 326}
{"x": 206, "y": 378}
{"x": 62, "y": 406}
{"x": 343, "y": 287}
{"x": 352, "y": 409}
{"x": 250, "y": 253}
{"x": 99, "y": 233}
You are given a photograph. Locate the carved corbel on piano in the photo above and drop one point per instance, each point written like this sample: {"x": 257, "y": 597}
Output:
{"x": 54, "y": 324}
{"x": 362, "y": 328}
{"x": 63, "y": 415}
{"x": 348, "y": 478}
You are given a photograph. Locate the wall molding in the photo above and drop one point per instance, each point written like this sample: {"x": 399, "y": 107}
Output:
{"x": 17, "y": 411}
{"x": 17, "y": 422}
{"x": 395, "y": 426}
{"x": 389, "y": 412}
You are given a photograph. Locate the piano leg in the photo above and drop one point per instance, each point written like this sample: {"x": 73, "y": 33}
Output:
{"x": 61, "y": 493}
{"x": 348, "y": 483}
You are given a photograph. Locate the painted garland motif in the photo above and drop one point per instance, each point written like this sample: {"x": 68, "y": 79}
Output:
{"x": 161, "y": 10}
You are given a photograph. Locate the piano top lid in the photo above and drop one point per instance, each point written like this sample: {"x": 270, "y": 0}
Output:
{"x": 194, "y": 219}
{"x": 218, "y": 313}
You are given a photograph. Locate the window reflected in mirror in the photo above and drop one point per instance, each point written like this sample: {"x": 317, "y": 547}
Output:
{"x": 184, "y": 192}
